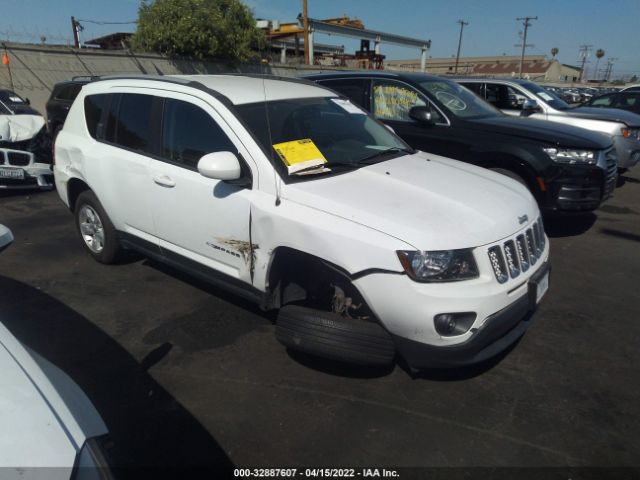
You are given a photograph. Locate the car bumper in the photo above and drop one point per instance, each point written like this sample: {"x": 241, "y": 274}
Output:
{"x": 35, "y": 176}
{"x": 572, "y": 189}
{"x": 20, "y": 170}
{"x": 628, "y": 151}
{"x": 407, "y": 309}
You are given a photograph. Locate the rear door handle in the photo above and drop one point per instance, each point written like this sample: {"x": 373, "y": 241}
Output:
{"x": 164, "y": 180}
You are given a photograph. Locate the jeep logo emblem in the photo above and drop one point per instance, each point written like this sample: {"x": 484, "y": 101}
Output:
{"x": 523, "y": 219}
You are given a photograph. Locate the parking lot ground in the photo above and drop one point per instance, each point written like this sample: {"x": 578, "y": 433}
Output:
{"x": 188, "y": 375}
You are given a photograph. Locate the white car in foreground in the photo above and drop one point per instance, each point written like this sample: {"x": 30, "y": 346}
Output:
{"x": 293, "y": 197}
{"x": 50, "y": 429}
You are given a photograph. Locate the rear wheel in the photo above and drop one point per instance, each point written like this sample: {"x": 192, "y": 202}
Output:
{"x": 98, "y": 234}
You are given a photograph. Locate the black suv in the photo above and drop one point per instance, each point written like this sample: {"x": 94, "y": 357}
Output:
{"x": 568, "y": 169}
{"x": 60, "y": 101}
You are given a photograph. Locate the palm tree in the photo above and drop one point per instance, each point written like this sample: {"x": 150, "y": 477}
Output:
{"x": 599, "y": 55}
{"x": 554, "y": 52}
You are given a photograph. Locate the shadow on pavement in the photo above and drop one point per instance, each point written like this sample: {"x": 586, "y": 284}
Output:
{"x": 338, "y": 369}
{"x": 620, "y": 234}
{"x": 569, "y": 225}
{"x": 149, "y": 428}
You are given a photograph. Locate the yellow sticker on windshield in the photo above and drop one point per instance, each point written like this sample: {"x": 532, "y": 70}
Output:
{"x": 300, "y": 155}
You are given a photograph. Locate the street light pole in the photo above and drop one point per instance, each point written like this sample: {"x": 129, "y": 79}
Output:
{"x": 305, "y": 24}
{"x": 462, "y": 24}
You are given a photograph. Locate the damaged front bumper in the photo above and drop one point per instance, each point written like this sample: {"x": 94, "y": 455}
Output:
{"x": 20, "y": 170}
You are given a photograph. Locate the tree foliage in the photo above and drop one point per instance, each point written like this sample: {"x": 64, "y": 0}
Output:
{"x": 222, "y": 29}
{"x": 554, "y": 51}
{"x": 599, "y": 53}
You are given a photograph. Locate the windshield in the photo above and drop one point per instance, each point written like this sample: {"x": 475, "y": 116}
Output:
{"x": 15, "y": 104}
{"x": 548, "y": 96}
{"x": 457, "y": 100}
{"x": 330, "y": 133}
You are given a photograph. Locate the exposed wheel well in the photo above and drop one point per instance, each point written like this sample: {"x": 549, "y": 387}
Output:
{"x": 298, "y": 277}
{"x": 74, "y": 188}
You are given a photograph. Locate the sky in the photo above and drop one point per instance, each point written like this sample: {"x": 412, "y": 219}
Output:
{"x": 492, "y": 30}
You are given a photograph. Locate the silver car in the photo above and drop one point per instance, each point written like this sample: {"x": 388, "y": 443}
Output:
{"x": 623, "y": 127}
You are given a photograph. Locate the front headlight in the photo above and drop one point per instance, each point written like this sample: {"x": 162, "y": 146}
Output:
{"x": 439, "y": 266}
{"x": 566, "y": 155}
{"x": 631, "y": 133}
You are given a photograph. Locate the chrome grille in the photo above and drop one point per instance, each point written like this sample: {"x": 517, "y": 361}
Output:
{"x": 517, "y": 255}
{"x": 497, "y": 263}
{"x": 523, "y": 254}
{"x": 18, "y": 159}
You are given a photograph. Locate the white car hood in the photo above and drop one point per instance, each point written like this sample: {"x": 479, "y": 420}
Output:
{"x": 44, "y": 417}
{"x": 16, "y": 128}
{"x": 435, "y": 204}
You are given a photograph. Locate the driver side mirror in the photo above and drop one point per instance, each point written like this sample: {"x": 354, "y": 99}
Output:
{"x": 530, "y": 107}
{"x": 421, "y": 115}
{"x": 220, "y": 166}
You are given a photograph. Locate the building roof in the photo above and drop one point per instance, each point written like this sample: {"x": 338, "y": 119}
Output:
{"x": 113, "y": 41}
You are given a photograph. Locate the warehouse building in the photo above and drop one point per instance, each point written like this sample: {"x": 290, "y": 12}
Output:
{"x": 535, "y": 67}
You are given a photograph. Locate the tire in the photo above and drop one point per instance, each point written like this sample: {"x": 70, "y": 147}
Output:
{"x": 105, "y": 248}
{"x": 327, "y": 335}
{"x": 510, "y": 174}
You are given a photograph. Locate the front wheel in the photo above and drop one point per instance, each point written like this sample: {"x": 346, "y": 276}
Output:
{"x": 98, "y": 234}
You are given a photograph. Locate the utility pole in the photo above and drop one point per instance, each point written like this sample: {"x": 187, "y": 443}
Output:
{"x": 462, "y": 24}
{"x": 609, "y": 68}
{"x": 305, "y": 24}
{"x": 74, "y": 28}
{"x": 584, "y": 53}
{"x": 527, "y": 24}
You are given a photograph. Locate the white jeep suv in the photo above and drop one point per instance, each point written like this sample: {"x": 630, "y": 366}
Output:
{"x": 291, "y": 196}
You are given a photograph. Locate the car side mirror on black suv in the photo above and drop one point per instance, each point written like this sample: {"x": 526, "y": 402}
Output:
{"x": 421, "y": 115}
{"x": 529, "y": 107}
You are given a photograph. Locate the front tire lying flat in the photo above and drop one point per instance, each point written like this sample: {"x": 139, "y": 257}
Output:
{"x": 95, "y": 228}
{"x": 328, "y": 335}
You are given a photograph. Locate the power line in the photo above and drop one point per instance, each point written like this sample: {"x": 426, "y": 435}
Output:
{"x": 526, "y": 23}
{"x": 98, "y": 22}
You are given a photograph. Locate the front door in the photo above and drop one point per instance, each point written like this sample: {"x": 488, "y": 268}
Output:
{"x": 198, "y": 218}
{"x": 391, "y": 101}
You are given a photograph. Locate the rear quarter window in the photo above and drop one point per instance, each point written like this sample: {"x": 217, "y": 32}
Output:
{"x": 94, "y": 106}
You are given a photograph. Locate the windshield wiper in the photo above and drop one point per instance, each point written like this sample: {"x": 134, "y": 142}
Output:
{"x": 379, "y": 153}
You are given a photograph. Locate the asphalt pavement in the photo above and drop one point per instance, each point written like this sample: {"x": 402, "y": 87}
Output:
{"x": 188, "y": 375}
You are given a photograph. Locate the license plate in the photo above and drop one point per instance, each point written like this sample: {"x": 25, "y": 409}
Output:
{"x": 543, "y": 286}
{"x": 16, "y": 173}
{"x": 538, "y": 286}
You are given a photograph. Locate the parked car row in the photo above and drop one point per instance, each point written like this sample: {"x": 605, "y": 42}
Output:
{"x": 281, "y": 171}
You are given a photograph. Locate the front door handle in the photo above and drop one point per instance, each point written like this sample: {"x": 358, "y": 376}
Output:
{"x": 164, "y": 180}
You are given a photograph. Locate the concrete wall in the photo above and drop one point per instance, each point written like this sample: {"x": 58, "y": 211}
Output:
{"x": 36, "y": 69}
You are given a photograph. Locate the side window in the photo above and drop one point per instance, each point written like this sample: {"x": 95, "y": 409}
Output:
{"x": 111, "y": 119}
{"x": 133, "y": 128}
{"x": 188, "y": 133}
{"x": 392, "y": 101}
{"x": 475, "y": 88}
{"x": 73, "y": 91}
{"x": 515, "y": 100}
{"x": 504, "y": 96}
{"x": 94, "y": 106}
{"x": 353, "y": 89}
{"x": 603, "y": 101}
